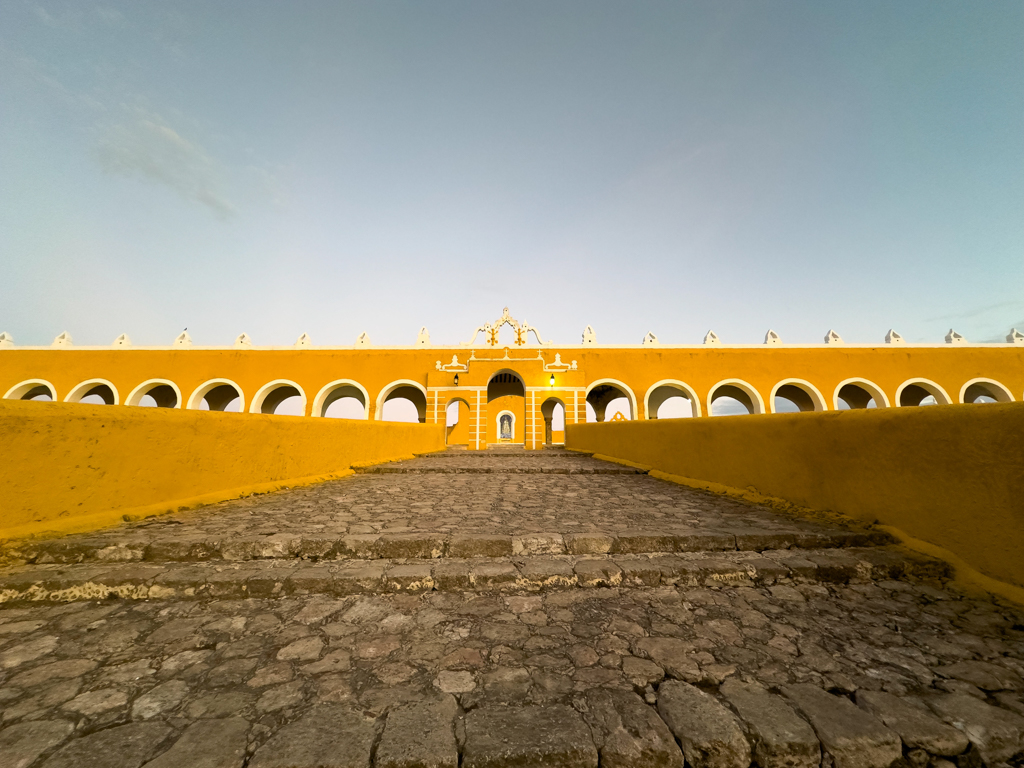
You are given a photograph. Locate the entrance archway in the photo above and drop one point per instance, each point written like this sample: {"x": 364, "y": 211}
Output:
{"x": 553, "y": 412}
{"x": 506, "y": 406}
{"x": 604, "y": 392}
{"x": 457, "y": 421}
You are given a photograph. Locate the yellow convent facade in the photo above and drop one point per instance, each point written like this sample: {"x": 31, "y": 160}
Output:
{"x": 509, "y": 394}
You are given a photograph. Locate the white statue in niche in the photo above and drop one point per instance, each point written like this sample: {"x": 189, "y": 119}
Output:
{"x": 506, "y": 427}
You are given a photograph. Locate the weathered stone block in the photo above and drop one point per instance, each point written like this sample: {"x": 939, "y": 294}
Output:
{"x": 328, "y": 736}
{"x": 410, "y": 545}
{"x": 918, "y": 728}
{"x": 851, "y": 736}
{"x": 207, "y": 744}
{"x": 420, "y": 735}
{"x": 709, "y": 733}
{"x": 547, "y": 572}
{"x": 409, "y": 577}
{"x": 538, "y": 544}
{"x": 997, "y": 734}
{"x": 599, "y": 572}
{"x": 628, "y": 733}
{"x": 588, "y": 543}
{"x": 780, "y": 737}
{"x": 124, "y": 746}
{"x": 553, "y": 736}
{"x": 673, "y": 655}
{"x": 479, "y": 545}
{"x": 22, "y": 743}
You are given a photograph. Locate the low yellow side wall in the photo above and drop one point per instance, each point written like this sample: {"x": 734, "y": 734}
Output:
{"x": 951, "y": 476}
{"x": 68, "y": 466}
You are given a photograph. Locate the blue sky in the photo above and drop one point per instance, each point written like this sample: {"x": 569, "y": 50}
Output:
{"x": 332, "y": 168}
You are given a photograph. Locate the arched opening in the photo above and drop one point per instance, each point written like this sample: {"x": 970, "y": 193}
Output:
{"x": 506, "y": 397}
{"x": 155, "y": 393}
{"x": 457, "y": 421}
{"x": 920, "y": 392}
{"x": 671, "y": 400}
{"x": 403, "y": 400}
{"x": 281, "y": 397}
{"x": 553, "y": 412}
{"x": 855, "y": 394}
{"x": 33, "y": 389}
{"x": 607, "y": 397}
{"x": 984, "y": 391}
{"x": 95, "y": 392}
{"x": 342, "y": 399}
{"x": 796, "y": 396}
{"x": 734, "y": 397}
{"x": 217, "y": 395}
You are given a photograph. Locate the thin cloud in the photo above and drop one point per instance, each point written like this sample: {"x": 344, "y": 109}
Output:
{"x": 977, "y": 311}
{"x": 152, "y": 150}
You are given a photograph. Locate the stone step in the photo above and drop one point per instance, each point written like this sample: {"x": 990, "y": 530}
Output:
{"x": 138, "y": 546}
{"x": 271, "y": 578}
{"x": 469, "y": 469}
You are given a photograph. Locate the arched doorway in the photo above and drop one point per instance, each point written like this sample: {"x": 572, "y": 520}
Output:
{"x": 457, "y": 422}
{"x": 553, "y": 411}
{"x": 506, "y": 404}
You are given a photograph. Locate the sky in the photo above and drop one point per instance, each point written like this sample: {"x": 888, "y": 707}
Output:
{"x": 332, "y": 168}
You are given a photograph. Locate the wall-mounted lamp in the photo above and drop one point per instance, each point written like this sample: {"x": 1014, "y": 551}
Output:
{"x": 552, "y": 379}
{"x": 456, "y": 379}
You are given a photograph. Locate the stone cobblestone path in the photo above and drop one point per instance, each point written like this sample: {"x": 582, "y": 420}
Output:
{"x": 498, "y": 609}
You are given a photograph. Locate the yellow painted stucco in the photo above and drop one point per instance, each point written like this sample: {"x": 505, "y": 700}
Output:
{"x": 951, "y": 478}
{"x": 69, "y": 466}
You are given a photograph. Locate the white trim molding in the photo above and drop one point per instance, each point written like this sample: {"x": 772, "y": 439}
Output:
{"x": 929, "y": 386}
{"x": 755, "y": 397}
{"x": 200, "y": 392}
{"x": 809, "y": 389}
{"x": 325, "y": 391}
{"x": 136, "y": 395}
{"x": 256, "y": 406}
{"x": 685, "y": 389}
{"x": 876, "y": 392}
{"x": 18, "y": 391}
{"x": 80, "y": 391}
{"x": 999, "y": 392}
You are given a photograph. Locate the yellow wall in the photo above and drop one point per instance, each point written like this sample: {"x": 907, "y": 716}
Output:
{"x": 70, "y": 466}
{"x": 952, "y": 476}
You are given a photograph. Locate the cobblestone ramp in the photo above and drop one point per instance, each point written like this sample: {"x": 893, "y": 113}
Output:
{"x": 499, "y": 609}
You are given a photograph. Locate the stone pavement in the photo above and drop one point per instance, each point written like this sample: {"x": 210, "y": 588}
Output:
{"x": 499, "y": 609}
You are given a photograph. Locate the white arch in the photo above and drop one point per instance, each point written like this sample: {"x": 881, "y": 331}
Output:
{"x": 876, "y": 392}
{"x": 806, "y": 386}
{"x": 136, "y": 395}
{"x": 256, "y": 406}
{"x": 1007, "y": 394}
{"x": 78, "y": 392}
{"x": 378, "y": 416}
{"x": 321, "y": 396}
{"x": 21, "y": 389}
{"x": 633, "y": 413}
{"x": 497, "y": 424}
{"x": 204, "y": 389}
{"x": 933, "y": 389}
{"x": 683, "y": 387}
{"x": 755, "y": 397}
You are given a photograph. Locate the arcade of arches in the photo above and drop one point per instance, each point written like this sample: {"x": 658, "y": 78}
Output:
{"x": 523, "y": 394}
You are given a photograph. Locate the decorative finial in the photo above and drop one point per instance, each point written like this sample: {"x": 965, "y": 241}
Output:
{"x": 363, "y": 340}
{"x": 650, "y": 340}
{"x": 303, "y": 341}
{"x": 894, "y": 338}
{"x": 122, "y": 341}
{"x": 955, "y": 338}
{"x": 182, "y": 340}
{"x": 243, "y": 341}
{"x": 423, "y": 337}
{"x": 1014, "y": 337}
{"x": 772, "y": 337}
{"x": 63, "y": 340}
{"x": 6, "y": 340}
{"x": 589, "y": 337}
{"x": 833, "y": 338}
{"x": 711, "y": 338}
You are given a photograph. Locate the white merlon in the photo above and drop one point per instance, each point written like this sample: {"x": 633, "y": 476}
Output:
{"x": 1014, "y": 337}
{"x": 893, "y": 338}
{"x": 63, "y": 340}
{"x": 711, "y": 338}
{"x": 6, "y": 340}
{"x": 122, "y": 341}
{"x": 304, "y": 341}
{"x": 772, "y": 337}
{"x": 589, "y": 337}
{"x": 423, "y": 337}
{"x": 833, "y": 338}
{"x": 243, "y": 341}
{"x": 650, "y": 340}
{"x": 182, "y": 340}
{"x": 363, "y": 340}
{"x": 955, "y": 338}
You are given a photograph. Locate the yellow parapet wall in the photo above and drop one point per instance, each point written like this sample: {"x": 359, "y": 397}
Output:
{"x": 67, "y": 467}
{"x": 952, "y": 477}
